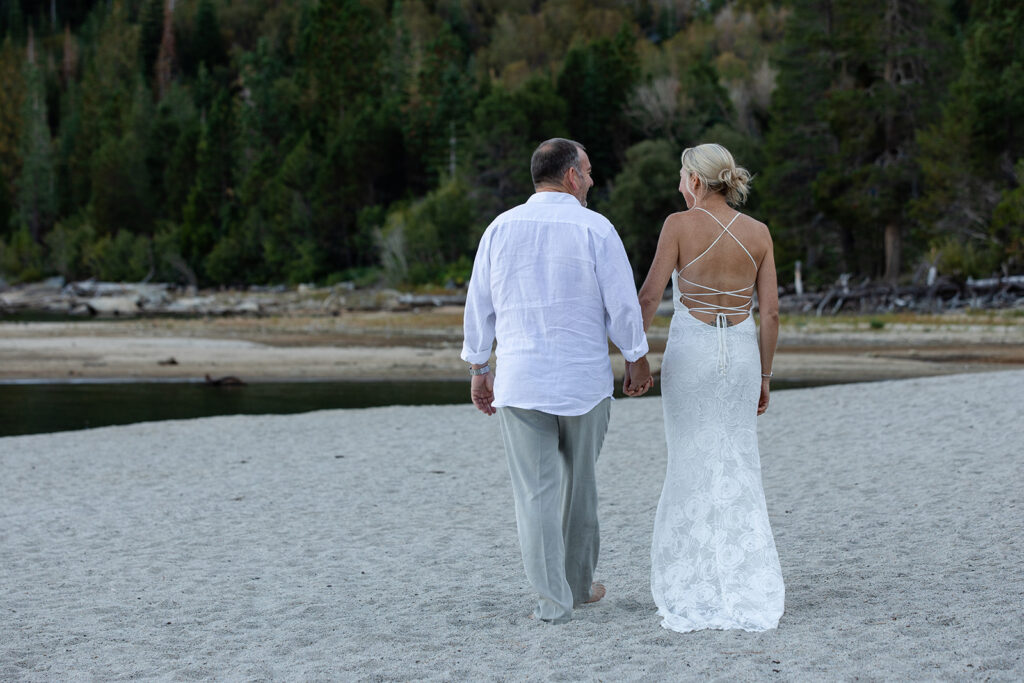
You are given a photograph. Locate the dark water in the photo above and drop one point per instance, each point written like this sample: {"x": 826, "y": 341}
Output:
{"x": 37, "y": 407}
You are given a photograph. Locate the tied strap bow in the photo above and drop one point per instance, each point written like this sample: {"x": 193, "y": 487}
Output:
{"x": 721, "y": 323}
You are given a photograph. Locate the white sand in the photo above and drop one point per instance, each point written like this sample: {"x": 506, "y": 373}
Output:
{"x": 380, "y": 544}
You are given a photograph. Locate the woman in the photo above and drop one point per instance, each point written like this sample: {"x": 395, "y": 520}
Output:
{"x": 714, "y": 563}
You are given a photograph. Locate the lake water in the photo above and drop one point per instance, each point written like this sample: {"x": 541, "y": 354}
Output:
{"x": 31, "y": 407}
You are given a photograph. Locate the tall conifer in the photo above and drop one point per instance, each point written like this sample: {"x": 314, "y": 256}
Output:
{"x": 36, "y": 185}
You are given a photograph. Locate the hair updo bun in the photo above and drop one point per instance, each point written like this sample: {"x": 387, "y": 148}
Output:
{"x": 718, "y": 171}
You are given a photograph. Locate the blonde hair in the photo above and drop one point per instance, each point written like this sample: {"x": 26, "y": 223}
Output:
{"x": 717, "y": 171}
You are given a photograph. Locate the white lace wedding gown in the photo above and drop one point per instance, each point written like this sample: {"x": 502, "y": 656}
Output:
{"x": 713, "y": 558}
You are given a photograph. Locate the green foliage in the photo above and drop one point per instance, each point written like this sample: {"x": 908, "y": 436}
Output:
{"x": 209, "y": 206}
{"x": 645, "y": 192}
{"x": 854, "y": 148}
{"x": 595, "y": 81}
{"x": 151, "y": 29}
{"x": 121, "y": 192}
{"x": 340, "y": 47}
{"x": 968, "y": 156}
{"x": 506, "y": 128}
{"x": 1008, "y": 222}
{"x": 209, "y": 44}
{"x": 36, "y": 198}
{"x": 361, "y": 278}
{"x": 21, "y": 257}
{"x": 119, "y": 257}
{"x": 418, "y": 242}
{"x": 68, "y": 243}
{"x": 324, "y": 139}
{"x": 12, "y": 91}
{"x": 962, "y": 260}
{"x": 438, "y": 107}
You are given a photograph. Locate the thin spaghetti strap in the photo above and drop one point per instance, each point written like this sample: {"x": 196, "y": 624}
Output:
{"x": 741, "y": 245}
{"x": 713, "y": 216}
{"x": 720, "y": 235}
{"x": 725, "y": 229}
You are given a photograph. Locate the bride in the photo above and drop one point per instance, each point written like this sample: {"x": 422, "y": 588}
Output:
{"x": 714, "y": 563}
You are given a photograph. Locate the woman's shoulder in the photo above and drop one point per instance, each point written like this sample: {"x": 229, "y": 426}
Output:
{"x": 674, "y": 223}
{"x": 682, "y": 219}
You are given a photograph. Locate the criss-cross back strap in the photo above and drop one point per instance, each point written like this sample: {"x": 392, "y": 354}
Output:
{"x": 725, "y": 230}
{"x": 703, "y": 306}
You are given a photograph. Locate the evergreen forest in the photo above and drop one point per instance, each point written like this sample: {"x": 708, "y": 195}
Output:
{"x": 239, "y": 142}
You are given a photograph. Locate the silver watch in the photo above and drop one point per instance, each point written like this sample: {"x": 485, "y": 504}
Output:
{"x": 482, "y": 370}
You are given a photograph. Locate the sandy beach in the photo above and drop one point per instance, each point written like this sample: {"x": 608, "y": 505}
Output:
{"x": 425, "y": 344}
{"x": 380, "y": 545}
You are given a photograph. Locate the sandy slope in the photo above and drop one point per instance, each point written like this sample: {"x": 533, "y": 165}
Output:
{"x": 380, "y": 544}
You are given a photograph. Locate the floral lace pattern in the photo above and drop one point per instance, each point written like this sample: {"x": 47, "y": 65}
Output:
{"x": 713, "y": 557}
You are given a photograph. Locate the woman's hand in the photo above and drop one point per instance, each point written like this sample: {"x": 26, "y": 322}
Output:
{"x": 762, "y": 403}
{"x": 637, "y": 381}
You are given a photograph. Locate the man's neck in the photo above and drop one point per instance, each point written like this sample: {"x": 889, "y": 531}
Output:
{"x": 563, "y": 190}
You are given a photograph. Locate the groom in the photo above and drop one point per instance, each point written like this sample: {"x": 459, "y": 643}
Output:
{"x": 552, "y": 284}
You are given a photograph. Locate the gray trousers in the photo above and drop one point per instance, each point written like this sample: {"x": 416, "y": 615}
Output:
{"x": 552, "y": 460}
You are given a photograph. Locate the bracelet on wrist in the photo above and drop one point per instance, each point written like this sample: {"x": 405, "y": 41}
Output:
{"x": 768, "y": 376}
{"x": 482, "y": 370}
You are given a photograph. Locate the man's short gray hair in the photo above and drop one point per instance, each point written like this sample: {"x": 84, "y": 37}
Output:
{"x": 552, "y": 159}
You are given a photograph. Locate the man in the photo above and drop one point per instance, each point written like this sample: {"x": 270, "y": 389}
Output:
{"x": 552, "y": 283}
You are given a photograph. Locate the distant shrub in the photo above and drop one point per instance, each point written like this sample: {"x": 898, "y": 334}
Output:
{"x": 68, "y": 242}
{"x": 21, "y": 259}
{"x": 122, "y": 257}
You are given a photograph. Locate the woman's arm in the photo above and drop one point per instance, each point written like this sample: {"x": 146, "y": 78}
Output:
{"x": 768, "y": 307}
{"x": 665, "y": 260}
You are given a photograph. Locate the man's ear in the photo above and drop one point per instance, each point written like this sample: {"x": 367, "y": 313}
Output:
{"x": 570, "y": 180}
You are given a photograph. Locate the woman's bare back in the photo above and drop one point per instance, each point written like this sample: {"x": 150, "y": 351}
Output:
{"x": 718, "y": 262}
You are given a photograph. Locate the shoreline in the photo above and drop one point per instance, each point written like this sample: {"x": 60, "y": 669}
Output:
{"x": 425, "y": 344}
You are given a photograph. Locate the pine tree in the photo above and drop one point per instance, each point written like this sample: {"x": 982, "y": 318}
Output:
{"x": 209, "y": 209}
{"x": 844, "y": 126}
{"x": 36, "y": 185}
{"x": 11, "y": 96}
{"x": 799, "y": 139}
{"x": 12, "y": 21}
{"x": 439, "y": 109}
{"x": 645, "y": 192}
{"x": 208, "y": 43}
{"x": 970, "y": 157}
{"x": 878, "y": 99}
{"x": 151, "y": 29}
{"x": 595, "y": 82}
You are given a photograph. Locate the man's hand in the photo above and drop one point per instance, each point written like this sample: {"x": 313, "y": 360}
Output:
{"x": 638, "y": 380}
{"x": 481, "y": 390}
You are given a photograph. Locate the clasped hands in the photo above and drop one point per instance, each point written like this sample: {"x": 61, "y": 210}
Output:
{"x": 637, "y": 380}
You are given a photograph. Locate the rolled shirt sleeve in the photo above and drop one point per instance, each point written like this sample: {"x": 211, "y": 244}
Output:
{"x": 623, "y": 318}
{"x": 478, "y": 323}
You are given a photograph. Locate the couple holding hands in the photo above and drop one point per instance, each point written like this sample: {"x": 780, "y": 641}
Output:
{"x": 551, "y": 283}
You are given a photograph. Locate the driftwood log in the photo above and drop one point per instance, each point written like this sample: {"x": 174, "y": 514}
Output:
{"x": 943, "y": 294}
{"x": 111, "y": 299}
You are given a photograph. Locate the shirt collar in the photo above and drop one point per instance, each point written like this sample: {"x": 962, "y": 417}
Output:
{"x": 552, "y": 198}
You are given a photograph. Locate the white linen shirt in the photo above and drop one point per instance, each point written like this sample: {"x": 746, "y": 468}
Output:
{"x": 552, "y": 283}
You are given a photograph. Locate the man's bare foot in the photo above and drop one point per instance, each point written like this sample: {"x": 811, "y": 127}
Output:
{"x": 597, "y": 592}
